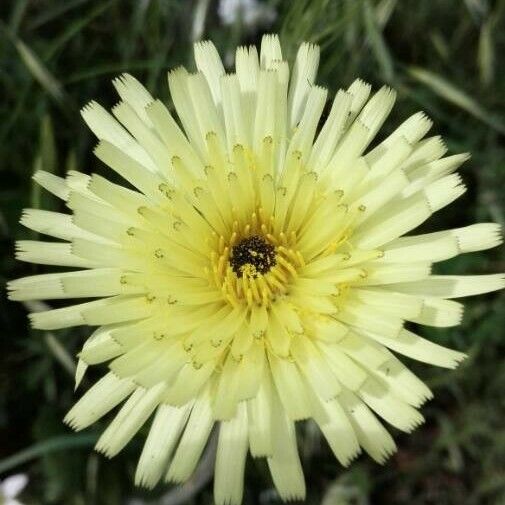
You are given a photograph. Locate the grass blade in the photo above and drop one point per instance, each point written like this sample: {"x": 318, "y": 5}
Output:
{"x": 54, "y": 444}
{"x": 486, "y": 53}
{"x": 377, "y": 43}
{"x": 60, "y": 353}
{"x": 45, "y": 159}
{"x": 454, "y": 95}
{"x": 40, "y": 72}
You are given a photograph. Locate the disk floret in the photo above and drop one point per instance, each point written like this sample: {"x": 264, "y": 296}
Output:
{"x": 254, "y": 264}
{"x": 252, "y": 256}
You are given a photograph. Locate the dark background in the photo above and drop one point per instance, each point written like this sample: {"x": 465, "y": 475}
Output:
{"x": 444, "y": 57}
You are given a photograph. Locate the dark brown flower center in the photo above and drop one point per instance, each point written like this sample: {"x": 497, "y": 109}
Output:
{"x": 252, "y": 256}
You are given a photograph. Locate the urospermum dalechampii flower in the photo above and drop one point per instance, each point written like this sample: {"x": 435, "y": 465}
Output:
{"x": 255, "y": 273}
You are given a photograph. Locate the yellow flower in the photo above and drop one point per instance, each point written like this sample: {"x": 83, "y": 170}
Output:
{"x": 254, "y": 273}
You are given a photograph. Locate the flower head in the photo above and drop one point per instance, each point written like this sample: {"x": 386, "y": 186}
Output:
{"x": 255, "y": 271}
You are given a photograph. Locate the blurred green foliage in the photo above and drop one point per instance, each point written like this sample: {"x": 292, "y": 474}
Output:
{"x": 444, "y": 57}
